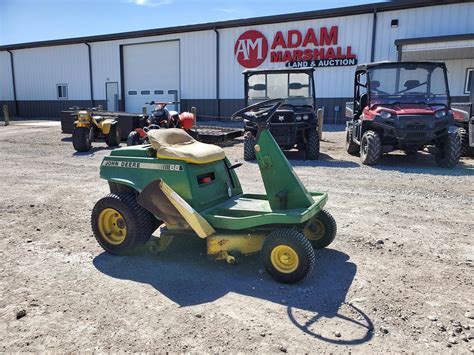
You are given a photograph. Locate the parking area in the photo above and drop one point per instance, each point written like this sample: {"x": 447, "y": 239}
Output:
{"x": 398, "y": 277}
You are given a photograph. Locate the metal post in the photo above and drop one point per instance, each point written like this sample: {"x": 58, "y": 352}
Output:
{"x": 320, "y": 116}
{"x": 144, "y": 110}
{"x": 6, "y": 114}
{"x": 194, "y": 112}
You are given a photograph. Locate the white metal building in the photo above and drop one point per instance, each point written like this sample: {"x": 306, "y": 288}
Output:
{"x": 201, "y": 65}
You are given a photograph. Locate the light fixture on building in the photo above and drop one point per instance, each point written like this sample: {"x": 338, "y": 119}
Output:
{"x": 394, "y": 23}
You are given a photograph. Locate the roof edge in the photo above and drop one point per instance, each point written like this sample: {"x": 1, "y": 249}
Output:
{"x": 448, "y": 38}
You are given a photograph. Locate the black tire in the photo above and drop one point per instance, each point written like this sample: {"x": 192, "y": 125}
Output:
{"x": 294, "y": 244}
{"x": 82, "y": 139}
{"x": 351, "y": 147}
{"x": 321, "y": 230}
{"x": 113, "y": 137}
{"x": 466, "y": 150}
{"x": 249, "y": 146}
{"x": 133, "y": 138}
{"x": 410, "y": 151}
{"x": 139, "y": 224}
{"x": 370, "y": 148}
{"x": 449, "y": 150}
{"x": 312, "y": 147}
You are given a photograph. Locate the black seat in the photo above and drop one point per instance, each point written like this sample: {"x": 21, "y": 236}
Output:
{"x": 411, "y": 84}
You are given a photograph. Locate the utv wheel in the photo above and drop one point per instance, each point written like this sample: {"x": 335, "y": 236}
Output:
{"x": 466, "y": 150}
{"x": 351, "y": 147}
{"x": 120, "y": 224}
{"x": 249, "y": 146}
{"x": 287, "y": 255}
{"x": 82, "y": 139}
{"x": 321, "y": 230}
{"x": 113, "y": 138}
{"x": 370, "y": 148}
{"x": 449, "y": 151}
{"x": 133, "y": 138}
{"x": 312, "y": 147}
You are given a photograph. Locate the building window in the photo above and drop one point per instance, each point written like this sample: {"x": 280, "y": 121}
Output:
{"x": 469, "y": 78}
{"x": 132, "y": 92}
{"x": 61, "y": 91}
{"x": 145, "y": 92}
{"x": 158, "y": 92}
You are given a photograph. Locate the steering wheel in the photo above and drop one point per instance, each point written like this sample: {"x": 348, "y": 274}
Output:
{"x": 259, "y": 113}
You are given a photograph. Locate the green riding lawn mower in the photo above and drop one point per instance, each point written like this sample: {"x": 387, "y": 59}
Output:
{"x": 192, "y": 189}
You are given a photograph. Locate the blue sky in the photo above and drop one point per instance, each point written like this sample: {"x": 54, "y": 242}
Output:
{"x": 37, "y": 20}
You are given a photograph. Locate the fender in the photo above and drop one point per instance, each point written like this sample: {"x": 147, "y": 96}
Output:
{"x": 78, "y": 124}
{"x": 106, "y": 124}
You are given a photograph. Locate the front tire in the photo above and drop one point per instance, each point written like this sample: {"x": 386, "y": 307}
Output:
{"x": 120, "y": 224}
{"x": 82, "y": 139}
{"x": 287, "y": 255}
{"x": 312, "y": 147}
{"x": 351, "y": 147}
{"x": 321, "y": 230}
{"x": 449, "y": 151}
{"x": 466, "y": 150}
{"x": 133, "y": 138}
{"x": 249, "y": 146}
{"x": 370, "y": 148}
{"x": 113, "y": 138}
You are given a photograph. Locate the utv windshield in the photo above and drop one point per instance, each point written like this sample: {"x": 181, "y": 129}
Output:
{"x": 295, "y": 88}
{"x": 416, "y": 83}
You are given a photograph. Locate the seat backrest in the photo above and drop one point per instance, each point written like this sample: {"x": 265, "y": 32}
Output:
{"x": 411, "y": 84}
{"x": 364, "y": 99}
{"x": 374, "y": 84}
{"x": 162, "y": 138}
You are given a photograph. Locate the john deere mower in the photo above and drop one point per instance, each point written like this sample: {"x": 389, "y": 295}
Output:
{"x": 88, "y": 126}
{"x": 192, "y": 189}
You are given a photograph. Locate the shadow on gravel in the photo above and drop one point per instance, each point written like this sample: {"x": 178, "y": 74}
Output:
{"x": 298, "y": 159}
{"x": 66, "y": 139}
{"x": 187, "y": 277}
{"x": 94, "y": 150}
{"x": 421, "y": 163}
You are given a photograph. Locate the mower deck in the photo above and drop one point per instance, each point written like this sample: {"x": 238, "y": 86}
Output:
{"x": 252, "y": 210}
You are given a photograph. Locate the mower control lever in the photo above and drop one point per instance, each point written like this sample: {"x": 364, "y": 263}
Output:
{"x": 259, "y": 113}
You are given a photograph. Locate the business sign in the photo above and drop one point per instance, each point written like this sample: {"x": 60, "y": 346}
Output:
{"x": 295, "y": 48}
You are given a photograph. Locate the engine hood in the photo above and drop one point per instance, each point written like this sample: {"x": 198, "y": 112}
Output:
{"x": 409, "y": 109}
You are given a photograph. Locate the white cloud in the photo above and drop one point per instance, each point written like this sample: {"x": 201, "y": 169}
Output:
{"x": 228, "y": 11}
{"x": 151, "y": 3}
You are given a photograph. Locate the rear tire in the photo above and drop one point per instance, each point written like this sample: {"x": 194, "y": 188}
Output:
{"x": 466, "y": 150}
{"x": 370, "y": 148}
{"x": 312, "y": 147}
{"x": 113, "y": 138}
{"x": 133, "y": 138}
{"x": 351, "y": 147}
{"x": 249, "y": 146}
{"x": 81, "y": 139}
{"x": 120, "y": 224}
{"x": 321, "y": 230}
{"x": 449, "y": 151}
{"x": 287, "y": 255}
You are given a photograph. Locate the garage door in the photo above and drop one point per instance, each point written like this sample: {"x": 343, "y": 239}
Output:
{"x": 151, "y": 72}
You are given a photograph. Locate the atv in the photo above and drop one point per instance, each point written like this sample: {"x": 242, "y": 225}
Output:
{"x": 89, "y": 126}
{"x": 192, "y": 190}
{"x": 160, "y": 117}
{"x": 295, "y": 123}
{"x": 404, "y": 106}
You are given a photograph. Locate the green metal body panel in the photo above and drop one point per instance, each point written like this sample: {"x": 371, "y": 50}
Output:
{"x": 221, "y": 201}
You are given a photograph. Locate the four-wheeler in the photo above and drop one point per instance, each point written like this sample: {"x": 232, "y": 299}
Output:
{"x": 89, "y": 125}
{"x": 194, "y": 190}
{"x": 402, "y": 105}
{"x": 295, "y": 123}
{"x": 160, "y": 117}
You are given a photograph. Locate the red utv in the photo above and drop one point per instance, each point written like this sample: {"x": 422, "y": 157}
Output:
{"x": 405, "y": 106}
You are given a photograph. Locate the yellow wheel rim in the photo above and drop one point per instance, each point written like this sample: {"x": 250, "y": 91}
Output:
{"x": 314, "y": 230}
{"x": 112, "y": 226}
{"x": 284, "y": 259}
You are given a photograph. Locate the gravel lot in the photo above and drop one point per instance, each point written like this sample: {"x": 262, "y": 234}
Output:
{"x": 398, "y": 278}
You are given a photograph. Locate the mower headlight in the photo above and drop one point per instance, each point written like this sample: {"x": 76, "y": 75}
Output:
{"x": 305, "y": 117}
{"x": 385, "y": 114}
{"x": 440, "y": 113}
{"x": 298, "y": 117}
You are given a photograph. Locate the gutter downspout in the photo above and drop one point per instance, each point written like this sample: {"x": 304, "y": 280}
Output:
{"x": 218, "y": 98}
{"x": 90, "y": 73}
{"x": 15, "y": 102}
{"x": 374, "y": 31}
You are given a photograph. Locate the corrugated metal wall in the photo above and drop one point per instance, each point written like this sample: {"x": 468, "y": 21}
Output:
{"x": 6, "y": 83}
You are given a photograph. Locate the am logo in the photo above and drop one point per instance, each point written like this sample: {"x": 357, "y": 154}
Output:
{"x": 251, "y": 49}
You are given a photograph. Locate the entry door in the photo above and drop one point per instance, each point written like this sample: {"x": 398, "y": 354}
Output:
{"x": 111, "y": 92}
{"x": 151, "y": 73}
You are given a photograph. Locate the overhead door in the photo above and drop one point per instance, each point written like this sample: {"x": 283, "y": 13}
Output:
{"x": 151, "y": 73}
